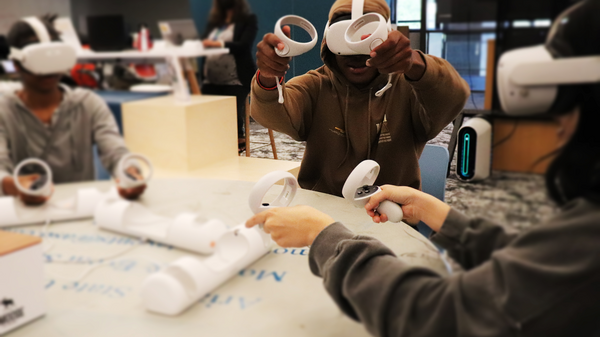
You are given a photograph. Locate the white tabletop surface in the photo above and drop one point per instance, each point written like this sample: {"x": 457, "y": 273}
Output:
{"x": 276, "y": 296}
{"x": 151, "y": 54}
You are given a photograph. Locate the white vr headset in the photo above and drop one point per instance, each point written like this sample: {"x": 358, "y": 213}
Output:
{"x": 529, "y": 79}
{"x": 46, "y": 57}
{"x": 344, "y": 37}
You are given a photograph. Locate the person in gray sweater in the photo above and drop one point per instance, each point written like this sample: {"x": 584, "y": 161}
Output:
{"x": 543, "y": 281}
{"x": 54, "y": 123}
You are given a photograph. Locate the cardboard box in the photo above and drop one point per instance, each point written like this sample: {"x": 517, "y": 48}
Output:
{"x": 21, "y": 280}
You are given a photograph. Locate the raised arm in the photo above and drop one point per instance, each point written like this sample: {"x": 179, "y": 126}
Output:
{"x": 438, "y": 97}
{"x": 294, "y": 116}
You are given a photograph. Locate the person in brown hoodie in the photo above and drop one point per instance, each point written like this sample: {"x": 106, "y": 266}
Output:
{"x": 543, "y": 281}
{"x": 335, "y": 110}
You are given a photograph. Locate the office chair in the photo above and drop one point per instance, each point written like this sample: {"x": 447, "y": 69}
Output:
{"x": 434, "y": 170}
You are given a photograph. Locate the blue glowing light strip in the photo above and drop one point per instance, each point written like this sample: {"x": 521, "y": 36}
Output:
{"x": 465, "y": 164}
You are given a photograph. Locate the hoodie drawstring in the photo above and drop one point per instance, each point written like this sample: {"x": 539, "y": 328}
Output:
{"x": 346, "y": 127}
{"x": 369, "y": 123}
{"x": 384, "y": 89}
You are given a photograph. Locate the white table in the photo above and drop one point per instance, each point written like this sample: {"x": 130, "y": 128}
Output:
{"x": 276, "y": 296}
{"x": 172, "y": 55}
{"x": 151, "y": 54}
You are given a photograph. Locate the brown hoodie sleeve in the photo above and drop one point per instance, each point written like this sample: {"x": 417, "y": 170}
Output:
{"x": 543, "y": 283}
{"x": 294, "y": 116}
{"x": 438, "y": 97}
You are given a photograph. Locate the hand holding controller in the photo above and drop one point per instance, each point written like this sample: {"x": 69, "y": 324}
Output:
{"x": 359, "y": 188}
{"x": 392, "y": 210}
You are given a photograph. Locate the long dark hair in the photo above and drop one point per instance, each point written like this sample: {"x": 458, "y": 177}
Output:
{"x": 575, "y": 172}
{"x": 218, "y": 13}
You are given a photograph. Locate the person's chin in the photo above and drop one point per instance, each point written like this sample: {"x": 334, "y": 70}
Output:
{"x": 360, "y": 76}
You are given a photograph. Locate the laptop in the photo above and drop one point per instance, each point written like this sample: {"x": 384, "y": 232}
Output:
{"x": 175, "y": 32}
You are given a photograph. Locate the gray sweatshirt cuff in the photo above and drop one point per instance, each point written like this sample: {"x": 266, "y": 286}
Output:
{"x": 452, "y": 230}
{"x": 325, "y": 246}
{"x": 3, "y": 174}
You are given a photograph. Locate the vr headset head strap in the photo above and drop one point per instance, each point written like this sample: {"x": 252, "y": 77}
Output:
{"x": 357, "y": 8}
{"x": 39, "y": 28}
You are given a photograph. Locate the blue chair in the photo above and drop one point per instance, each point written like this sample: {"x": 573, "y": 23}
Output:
{"x": 434, "y": 169}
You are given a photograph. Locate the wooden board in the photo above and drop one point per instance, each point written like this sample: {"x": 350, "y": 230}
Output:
{"x": 530, "y": 141}
{"x": 11, "y": 242}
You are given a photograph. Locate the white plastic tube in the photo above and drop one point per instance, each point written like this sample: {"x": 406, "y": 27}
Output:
{"x": 14, "y": 213}
{"x": 187, "y": 279}
{"x": 187, "y": 231}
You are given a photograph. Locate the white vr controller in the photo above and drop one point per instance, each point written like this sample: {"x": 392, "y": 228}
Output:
{"x": 126, "y": 179}
{"x": 343, "y": 38}
{"x": 14, "y": 213}
{"x": 359, "y": 189}
{"x": 291, "y": 47}
{"x": 188, "y": 231}
{"x": 183, "y": 282}
{"x": 363, "y": 26}
{"x": 41, "y": 187}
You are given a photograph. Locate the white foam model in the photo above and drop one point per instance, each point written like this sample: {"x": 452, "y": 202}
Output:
{"x": 132, "y": 160}
{"x": 13, "y": 212}
{"x": 291, "y": 47}
{"x": 364, "y": 175}
{"x": 47, "y": 56}
{"x": 186, "y": 280}
{"x": 188, "y": 230}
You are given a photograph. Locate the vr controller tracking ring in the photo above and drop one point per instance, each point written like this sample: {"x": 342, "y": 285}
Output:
{"x": 45, "y": 190}
{"x": 125, "y": 180}
{"x": 291, "y": 47}
{"x": 376, "y": 38}
{"x": 260, "y": 189}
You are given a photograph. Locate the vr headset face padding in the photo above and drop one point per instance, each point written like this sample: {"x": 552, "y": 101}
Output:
{"x": 46, "y": 57}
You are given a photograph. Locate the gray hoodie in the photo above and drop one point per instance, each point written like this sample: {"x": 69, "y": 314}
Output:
{"x": 81, "y": 121}
{"x": 543, "y": 281}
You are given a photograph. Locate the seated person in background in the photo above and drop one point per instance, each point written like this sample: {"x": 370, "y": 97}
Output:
{"x": 540, "y": 282}
{"x": 335, "y": 110}
{"x": 54, "y": 123}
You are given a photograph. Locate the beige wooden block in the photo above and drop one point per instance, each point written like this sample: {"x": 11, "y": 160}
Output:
{"x": 182, "y": 135}
{"x": 240, "y": 168}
